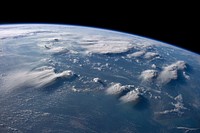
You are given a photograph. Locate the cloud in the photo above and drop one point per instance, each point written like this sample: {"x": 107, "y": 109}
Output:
{"x": 185, "y": 75}
{"x": 108, "y": 46}
{"x": 115, "y": 89}
{"x": 171, "y": 72}
{"x": 178, "y": 107}
{"x": 144, "y": 54}
{"x": 18, "y": 31}
{"x": 153, "y": 66}
{"x": 149, "y": 55}
{"x": 90, "y": 41}
{"x": 167, "y": 74}
{"x": 179, "y": 102}
{"x": 37, "y": 78}
{"x": 131, "y": 97}
{"x": 13, "y": 32}
{"x": 148, "y": 75}
{"x": 188, "y": 129}
{"x": 114, "y": 43}
{"x": 56, "y": 49}
{"x": 136, "y": 54}
{"x": 96, "y": 80}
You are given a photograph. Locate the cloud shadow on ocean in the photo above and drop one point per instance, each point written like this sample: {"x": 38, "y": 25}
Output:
{"x": 59, "y": 82}
{"x": 143, "y": 104}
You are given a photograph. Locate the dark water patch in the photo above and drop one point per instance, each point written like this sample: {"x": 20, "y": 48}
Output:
{"x": 58, "y": 83}
{"x": 143, "y": 104}
{"x": 122, "y": 93}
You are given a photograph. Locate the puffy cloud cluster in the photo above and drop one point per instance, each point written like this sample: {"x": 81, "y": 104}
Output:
{"x": 171, "y": 72}
{"x": 167, "y": 74}
{"x": 130, "y": 96}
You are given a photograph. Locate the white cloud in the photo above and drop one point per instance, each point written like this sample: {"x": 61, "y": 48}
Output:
{"x": 179, "y": 65}
{"x": 171, "y": 72}
{"x": 115, "y": 88}
{"x": 153, "y": 66}
{"x": 131, "y": 97}
{"x": 89, "y": 40}
{"x": 185, "y": 75}
{"x": 179, "y": 103}
{"x": 136, "y": 54}
{"x": 178, "y": 106}
{"x": 179, "y": 98}
{"x": 148, "y": 75}
{"x": 113, "y": 43}
{"x": 97, "y": 80}
{"x": 65, "y": 74}
{"x": 37, "y": 78}
{"x": 13, "y": 32}
{"x": 149, "y": 55}
{"x": 56, "y": 49}
{"x": 188, "y": 129}
{"x": 106, "y": 46}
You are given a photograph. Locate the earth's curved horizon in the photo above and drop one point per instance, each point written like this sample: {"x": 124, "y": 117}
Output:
{"x": 105, "y": 29}
{"x": 68, "y": 78}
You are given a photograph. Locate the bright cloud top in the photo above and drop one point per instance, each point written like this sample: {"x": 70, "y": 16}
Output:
{"x": 131, "y": 97}
{"x": 115, "y": 89}
{"x": 148, "y": 75}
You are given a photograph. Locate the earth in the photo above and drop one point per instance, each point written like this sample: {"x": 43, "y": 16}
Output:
{"x": 74, "y": 79}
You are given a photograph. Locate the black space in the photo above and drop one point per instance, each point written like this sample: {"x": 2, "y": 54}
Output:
{"x": 177, "y": 27}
